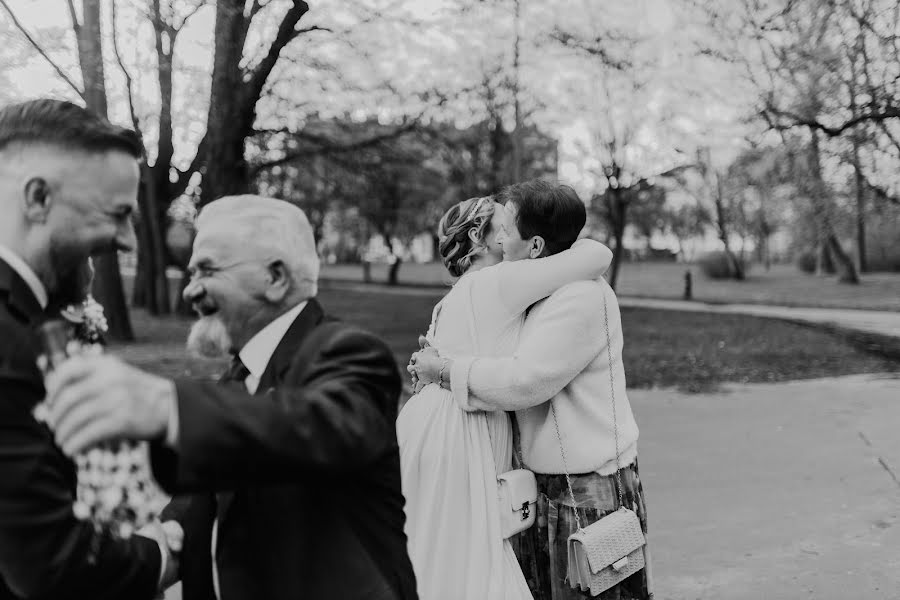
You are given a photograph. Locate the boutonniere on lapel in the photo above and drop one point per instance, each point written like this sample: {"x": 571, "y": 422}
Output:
{"x": 115, "y": 490}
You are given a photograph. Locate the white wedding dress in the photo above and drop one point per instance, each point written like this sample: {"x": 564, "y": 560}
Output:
{"x": 450, "y": 458}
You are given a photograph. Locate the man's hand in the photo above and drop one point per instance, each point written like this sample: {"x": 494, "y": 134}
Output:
{"x": 100, "y": 398}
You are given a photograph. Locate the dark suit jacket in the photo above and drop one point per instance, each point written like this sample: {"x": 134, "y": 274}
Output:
{"x": 316, "y": 510}
{"x": 44, "y": 551}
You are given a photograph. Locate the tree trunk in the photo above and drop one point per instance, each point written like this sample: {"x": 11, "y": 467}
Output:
{"x": 844, "y": 263}
{"x": 617, "y": 209}
{"x": 517, "y": 132}
{"x": 107, "y": 288}
{"x": 824, "y": 261}
{"x": 860, "y": 210}
{"x": 226, "y": 169}
{"x": 846, "y": 268}
{"x": 394, "y": 271}
{"x": 151, "y": 283}
{"x": 141, "y": 296}
{"x": 395, "y": 266}
{"x": 435, "y": 247}
{"x": 737, "y": 267}
{"x": 182, "y": 306}
{"x": 233, "y": 96}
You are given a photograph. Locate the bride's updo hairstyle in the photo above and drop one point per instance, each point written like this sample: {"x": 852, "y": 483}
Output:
{"x": 462, "y": 233}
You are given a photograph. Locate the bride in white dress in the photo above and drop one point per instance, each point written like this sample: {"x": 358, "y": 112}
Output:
{"x": 449, "y": 458}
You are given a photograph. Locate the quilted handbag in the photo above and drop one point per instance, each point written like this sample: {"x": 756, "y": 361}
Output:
{"x": 609, "y": 550}
{"x": 606, "y": 552}
{"x": 517, "y": 493}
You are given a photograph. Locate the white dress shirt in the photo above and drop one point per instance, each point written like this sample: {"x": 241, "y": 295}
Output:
{"x": 17, "y": 264}
{"x": 257, "y": 353}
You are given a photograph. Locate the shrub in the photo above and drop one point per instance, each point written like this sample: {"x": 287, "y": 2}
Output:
{"x": 716, "y": 265}
{"x": 884, "y": 259}
{"x": 806, "y": 261}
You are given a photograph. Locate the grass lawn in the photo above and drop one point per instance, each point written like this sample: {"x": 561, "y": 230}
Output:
{"x": 782, "y": 285}
{"x": 691, "y": 351}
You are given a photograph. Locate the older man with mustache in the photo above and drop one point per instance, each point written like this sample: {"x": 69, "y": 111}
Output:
{"x": 293, "y": 458}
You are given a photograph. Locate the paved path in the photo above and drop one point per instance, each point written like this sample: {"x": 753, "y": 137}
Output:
{"x": 868, "y": 321}
{"x": 784, "y": 491}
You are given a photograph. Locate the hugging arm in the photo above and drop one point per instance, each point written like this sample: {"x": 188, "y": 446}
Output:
{"x": 567, "y": 335}
{"x": 524, "y": 282}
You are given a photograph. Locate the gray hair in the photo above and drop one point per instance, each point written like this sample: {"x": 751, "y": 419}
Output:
{"x": 277, "y": 228}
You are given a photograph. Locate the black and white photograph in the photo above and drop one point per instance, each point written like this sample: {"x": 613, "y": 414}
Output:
{"x": 449, "y": 299}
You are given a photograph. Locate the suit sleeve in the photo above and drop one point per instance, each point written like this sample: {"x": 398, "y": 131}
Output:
{"x": 563, "y": 338}
{"x": 334, "y": 414}
{"x": 45, "y": 552}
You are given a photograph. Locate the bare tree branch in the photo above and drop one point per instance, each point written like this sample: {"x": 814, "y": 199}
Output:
{"x": 876, "y": 115}
{"x": 41, "y": 51}
{"x": 314, "y": 28}
{"x": 129, "y": 82}
{"x": 323, "y": 145}
{"x": 593, "y": 48}
{"x": 193, "y": 11}
{"x": 75, "y": 25}
{"x": 286, "y": 33}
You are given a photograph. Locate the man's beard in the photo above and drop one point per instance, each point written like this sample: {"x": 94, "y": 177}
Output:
{"x": 72, "y": 281}
{"x": 209, "y": 338}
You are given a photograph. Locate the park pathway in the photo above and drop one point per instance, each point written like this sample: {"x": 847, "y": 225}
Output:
{"x": 783, "y": 491}
{"x": 878, "y": 322}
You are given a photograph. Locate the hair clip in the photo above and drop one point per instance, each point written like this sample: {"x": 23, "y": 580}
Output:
{"x": 474, "y": 210}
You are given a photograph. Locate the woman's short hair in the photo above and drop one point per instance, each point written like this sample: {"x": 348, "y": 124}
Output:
{"x": 456, "y": 247}
{"x": 550, "y": 210}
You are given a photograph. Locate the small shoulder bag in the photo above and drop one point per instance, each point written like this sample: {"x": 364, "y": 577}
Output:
{"x": 607, "y": 551}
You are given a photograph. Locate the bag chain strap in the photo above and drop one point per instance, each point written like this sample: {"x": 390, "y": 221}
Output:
{"x": 562, "y": 449}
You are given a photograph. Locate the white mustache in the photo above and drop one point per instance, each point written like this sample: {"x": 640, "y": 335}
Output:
{"x": 209, "y": 338}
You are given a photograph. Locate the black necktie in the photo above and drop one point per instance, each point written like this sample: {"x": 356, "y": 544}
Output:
{"x": 237, "y": 372}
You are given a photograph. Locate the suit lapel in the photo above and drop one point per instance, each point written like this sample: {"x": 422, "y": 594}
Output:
{"x": 281, "y": 360}
{"x": 286, "y": 352}
{"x": 20, "y": 298}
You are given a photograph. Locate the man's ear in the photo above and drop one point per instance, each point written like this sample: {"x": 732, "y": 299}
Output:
{"x": 37, "y": 200}
{"x": 537, "y": 247}
{"x": 279, "y": 281}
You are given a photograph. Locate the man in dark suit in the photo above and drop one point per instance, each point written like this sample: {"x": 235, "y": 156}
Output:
{"x": 68, "y": 185}
{"x": 297, "y": 443}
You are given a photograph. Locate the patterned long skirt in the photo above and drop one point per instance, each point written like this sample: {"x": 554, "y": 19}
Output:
{"x": 542, "y": 550}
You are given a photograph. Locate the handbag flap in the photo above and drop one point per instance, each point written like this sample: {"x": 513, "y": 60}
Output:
{"x": 521, "y": 485}
{"x": 610, "y": 539}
